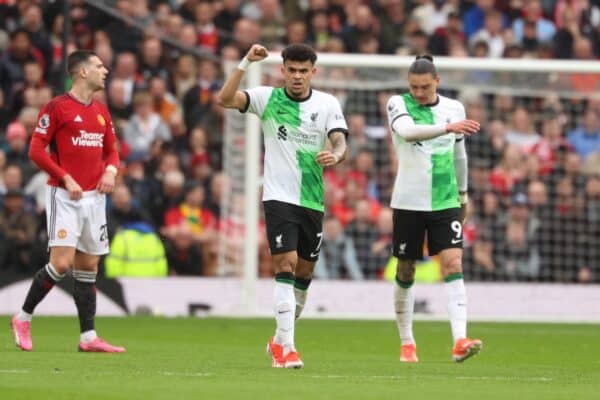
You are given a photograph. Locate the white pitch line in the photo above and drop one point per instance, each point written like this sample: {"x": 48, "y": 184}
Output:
{"x": 196, "y": 374}
{"x": 14, "y": 371}
{"x": 475, "y": 378}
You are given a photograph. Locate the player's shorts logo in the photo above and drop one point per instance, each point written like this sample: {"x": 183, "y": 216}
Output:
{"x": 62, "y": 234}
{"x": 44, "y": 121}
{"x": 101, "y": 120}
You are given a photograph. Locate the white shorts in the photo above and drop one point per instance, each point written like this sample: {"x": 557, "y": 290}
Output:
{"x": 80, "y": 224}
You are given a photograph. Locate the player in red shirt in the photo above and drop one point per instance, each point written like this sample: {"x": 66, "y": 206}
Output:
{"x": 82, "y": 162}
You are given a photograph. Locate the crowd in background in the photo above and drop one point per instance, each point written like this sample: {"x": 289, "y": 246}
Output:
{"x": 534, "y": 167}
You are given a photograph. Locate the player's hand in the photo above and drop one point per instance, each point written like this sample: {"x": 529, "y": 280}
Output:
{"x": 257, "y": 53}
{"x": 465, "y": 127}
{"x": 107, "y": 183}
{"x": 326, "y": 158}
{"x": 75, "y": 191}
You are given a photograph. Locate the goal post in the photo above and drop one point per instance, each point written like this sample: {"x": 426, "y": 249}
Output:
{"x": 357, "y": 80}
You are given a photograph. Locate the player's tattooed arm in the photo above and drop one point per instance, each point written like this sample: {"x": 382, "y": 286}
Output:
{"x": 338, "y": 151}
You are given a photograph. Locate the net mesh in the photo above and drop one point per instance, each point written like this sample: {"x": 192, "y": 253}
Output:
{"x": 534, "y": 189}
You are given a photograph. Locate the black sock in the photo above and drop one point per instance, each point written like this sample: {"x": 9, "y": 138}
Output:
{"x": 302, "y": 283}
{"x": 43, "y": 281}
{"x": 84, "y": 293}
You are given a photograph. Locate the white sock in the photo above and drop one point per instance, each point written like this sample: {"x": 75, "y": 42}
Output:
{"x": 457, "y": 306}
{"x": 300, "y": 300}
{"x": 24, "y": 316}
{"x": 88, "y": 336}
{"x": 404, "y": 304}
{"x": 284, "y": 314}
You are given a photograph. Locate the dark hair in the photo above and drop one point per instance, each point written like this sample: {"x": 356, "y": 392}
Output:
{"x": 75, "y": 60}
{"x": 299, "y": 52}
{"x": 423, "y": 64}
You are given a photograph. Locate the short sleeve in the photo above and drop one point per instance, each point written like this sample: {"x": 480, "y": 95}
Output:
{"x": 335, "y": 117}
{"x": 257, "y": 98}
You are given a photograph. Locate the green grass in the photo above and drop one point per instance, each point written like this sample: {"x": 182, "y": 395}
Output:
{"x": 224, "y": 359}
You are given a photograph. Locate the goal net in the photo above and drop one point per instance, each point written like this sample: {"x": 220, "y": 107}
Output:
{"x": 534, "y": 187}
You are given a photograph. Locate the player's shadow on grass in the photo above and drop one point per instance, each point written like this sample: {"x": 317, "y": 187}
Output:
{"x": 109, "y": 287}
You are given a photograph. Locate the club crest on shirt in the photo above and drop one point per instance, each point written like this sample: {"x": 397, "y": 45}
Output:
{"x": 101, "y": 120}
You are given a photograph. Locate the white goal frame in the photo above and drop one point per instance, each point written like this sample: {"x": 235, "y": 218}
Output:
{"x": 252, "y": 151}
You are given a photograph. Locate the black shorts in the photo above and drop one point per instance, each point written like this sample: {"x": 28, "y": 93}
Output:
{"x": 443, "y": 229}
{"x": 293, "y": 228}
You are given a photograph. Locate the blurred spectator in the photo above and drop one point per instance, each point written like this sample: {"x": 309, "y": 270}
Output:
{"x": 337, "y": 259}
{"x": 170, "y": 194}
{"x": 145, "y": 126}
{"x": 184, "y": 254}
{"x": 552, "y": 142}
{"x": 207, "y": 33}
{"x": 272, "y": 21}
{"x": 533, "y": 13}
{"x": 136, "y": 251}
{"x": 126, "y": 70}
{"x": 563, "y": 236}
{"x": 432, "y": 14}
{"x": 18, "y": 233}
{"x": 517, "y": 241}
{"x": 364, "y": 234}
{"x": 382, "y": 248}
{"x": 123, "y": 210}
{"x": 34, "y": 24}
{"x": 151, "y": 61}
{"x": 165, "y": 103}
{"x": 491, "y": 34}
{"x": 586, "y": 137}
{"x": 296, "y": 32}
{"x": 12, "y": 63}
{"x": 474, "y": 17}
{"x": 15, "y": 148}
{"x": 363, "y": 23}
{"x": 447, "y": 37}
{"x": 228, "y": 15}
{"x": 521, "y": 131}
{"x": 197, "y": 101}
{"x": 120, "y": 109}
{"x": 509, "y": 172}
{"x": 184, "y": 76}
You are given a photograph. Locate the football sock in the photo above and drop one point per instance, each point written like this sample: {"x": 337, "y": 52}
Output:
{"x": 84, "y": 294}
{"x": 300, "y": 291}
{"x": 43, "y": 281}
{"x": 284, "y": 310}
{"x": 457, "y": 305}
{"x": 404, "y": 303}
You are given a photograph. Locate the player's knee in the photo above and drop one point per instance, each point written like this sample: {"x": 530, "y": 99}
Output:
{"x": 285, "y": 264}
{"x": 406, "y": 270}
{"x": 61, "y": 265}
{"x": 452, "y": 265}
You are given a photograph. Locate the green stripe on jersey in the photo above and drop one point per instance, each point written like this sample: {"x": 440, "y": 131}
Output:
{"x": 311, "y": 186}
{"x": 281, "y": 109}
{"x": 422, "y": 115}
{"x": 444, "y": 190}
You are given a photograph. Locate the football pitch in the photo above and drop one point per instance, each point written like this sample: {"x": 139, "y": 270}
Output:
{"x": 214, "y": 358}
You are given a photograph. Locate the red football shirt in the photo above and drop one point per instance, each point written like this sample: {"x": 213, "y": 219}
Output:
{"x": 81, "y": 140}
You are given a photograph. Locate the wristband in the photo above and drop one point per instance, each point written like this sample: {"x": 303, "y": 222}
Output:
{"x": 244, "y": 64}
{"x": 112, "y": 168}
{"x": 463, "y": 197}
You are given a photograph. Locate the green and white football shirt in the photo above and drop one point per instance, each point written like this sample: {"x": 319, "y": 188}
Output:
{"x": 426, "y": 179}
{"x": 295, "y": 131}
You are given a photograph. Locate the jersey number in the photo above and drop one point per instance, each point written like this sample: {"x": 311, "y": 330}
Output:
{"x": 316, "y": 252}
